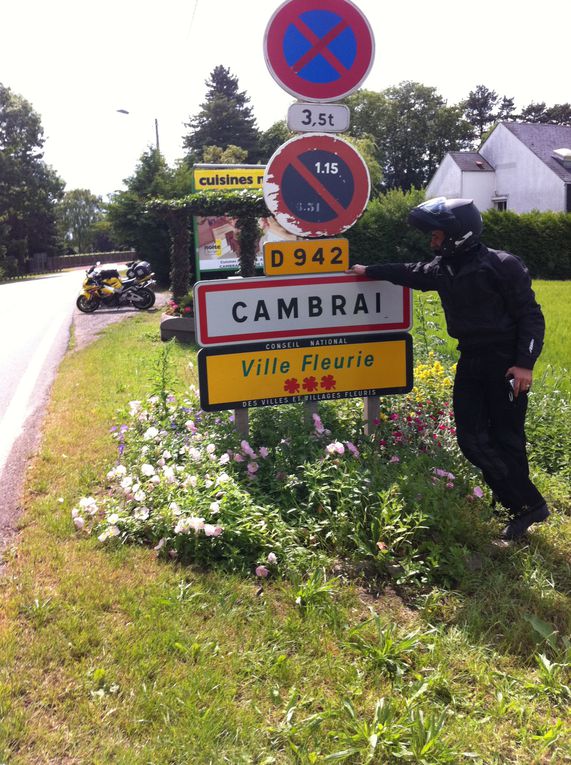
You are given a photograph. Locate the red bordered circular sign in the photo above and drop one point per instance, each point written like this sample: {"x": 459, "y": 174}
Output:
{"x": 316, "y": 185}
{"x": 319, "y": 50}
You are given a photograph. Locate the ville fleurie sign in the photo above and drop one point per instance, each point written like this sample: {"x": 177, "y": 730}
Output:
{"x": 262, "y": 374}
{"x": 230, "y": 312}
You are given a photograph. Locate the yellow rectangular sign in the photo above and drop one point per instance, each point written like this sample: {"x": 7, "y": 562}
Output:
{"x": 223, "y": 178}
{"x": 306, "y": 256}
{"x": 290, "y": 371}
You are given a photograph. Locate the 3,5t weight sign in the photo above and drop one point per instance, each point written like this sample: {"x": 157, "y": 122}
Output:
{"x": 326, "y": 118}
{"x": 316, "y": 185}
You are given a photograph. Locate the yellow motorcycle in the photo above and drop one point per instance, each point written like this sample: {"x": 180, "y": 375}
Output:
{"x": 102, "y": 287}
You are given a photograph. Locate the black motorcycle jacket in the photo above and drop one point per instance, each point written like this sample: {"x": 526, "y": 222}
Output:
{"x": 487, "y": 299}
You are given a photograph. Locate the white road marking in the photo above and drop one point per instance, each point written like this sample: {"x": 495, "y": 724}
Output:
{"x": 12, "y": 423}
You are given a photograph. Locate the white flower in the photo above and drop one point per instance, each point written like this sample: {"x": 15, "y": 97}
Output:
{"x": 134, "y": 407}
{"x": 214, "y": 508}
{"x": 169, "y": 474}
{"x": 194, "y": 454}
{"x": 86, "y": 503}
{"x": 210, "y": 449}
{"x": 144, "y": 450}
{"x": 208, "y": 483}
{"x": 190, "y": 480}
{"x": 174, "y": 508}
{"x": 78, "y": 522}
{"x": 222, "y": 478}
{"x": 196, "y": 524}
{"x": 141, "y": 513}
{"x": 161, "y": 462}
{"x": 140, "y": 496}
{"x": 150, "y": 433}
{"x": 166, "y": 454}
{"x": 224, "y": 459}
{"x": 147, "y": 469}
{"x": 272, "y": 558}
{"x": 110, "y": 531}
{"x": 155, "y": 479}
{"x": 190, "y": 426}
{"x": 127, "y": 482}
{"x": 212, "y": 531}
{"x": 113, "y": 519}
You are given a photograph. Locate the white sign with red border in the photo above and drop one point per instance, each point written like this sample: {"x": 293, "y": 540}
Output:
{"x": 228, "y": 312}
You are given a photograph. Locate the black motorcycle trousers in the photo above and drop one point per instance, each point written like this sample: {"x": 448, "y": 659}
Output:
{"x": 490, "y": 428}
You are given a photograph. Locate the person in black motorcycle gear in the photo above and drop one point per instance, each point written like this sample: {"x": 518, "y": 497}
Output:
{"x": 490, "y": 308}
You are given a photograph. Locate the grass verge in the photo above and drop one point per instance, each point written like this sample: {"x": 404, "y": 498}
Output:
{"x": 112, "y": 656}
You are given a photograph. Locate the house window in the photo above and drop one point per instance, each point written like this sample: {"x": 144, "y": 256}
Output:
{"x": 500, "y": 204}
{"x": 568, "y": 200}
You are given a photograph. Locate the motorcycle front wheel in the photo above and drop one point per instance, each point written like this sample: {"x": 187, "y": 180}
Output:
{"x": 143, "y": 299}
{"x": 87, "y": 305}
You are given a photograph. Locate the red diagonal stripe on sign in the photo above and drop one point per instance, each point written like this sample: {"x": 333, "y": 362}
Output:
{"x": 318, "y": 187}
{"x": 320, "y": 46}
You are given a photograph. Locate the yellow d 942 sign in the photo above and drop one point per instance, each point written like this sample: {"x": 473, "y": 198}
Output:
{"x": 306, "y": 257}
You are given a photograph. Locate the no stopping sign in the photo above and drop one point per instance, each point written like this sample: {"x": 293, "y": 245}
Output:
{"x": 319, "y": 50}
{"x": 316, "y": 185}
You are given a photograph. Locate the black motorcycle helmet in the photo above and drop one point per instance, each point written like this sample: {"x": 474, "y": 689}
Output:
{"x": 460, "y": 220}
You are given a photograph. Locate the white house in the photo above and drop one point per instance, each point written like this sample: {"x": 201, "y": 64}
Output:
{"x": 519, "y": 167}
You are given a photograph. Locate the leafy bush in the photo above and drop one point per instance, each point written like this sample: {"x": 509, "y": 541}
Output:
{"x": 293, "y": 498}
{"x": 541, "y": 239}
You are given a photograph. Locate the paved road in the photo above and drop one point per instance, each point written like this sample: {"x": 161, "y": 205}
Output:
{"x": 35, "y": 319}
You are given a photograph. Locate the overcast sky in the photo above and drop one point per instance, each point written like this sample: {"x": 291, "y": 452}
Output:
{"x": 78, "y": 62}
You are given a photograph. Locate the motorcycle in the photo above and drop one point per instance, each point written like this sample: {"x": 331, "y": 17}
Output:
{"x": 103, "y": 287}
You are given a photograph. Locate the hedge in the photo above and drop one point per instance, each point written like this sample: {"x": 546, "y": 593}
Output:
{"x": 541, "y": 239}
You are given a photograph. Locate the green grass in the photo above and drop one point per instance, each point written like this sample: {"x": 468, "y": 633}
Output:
{"x": 555, "y": 360}
{"x": 108, "y": 655}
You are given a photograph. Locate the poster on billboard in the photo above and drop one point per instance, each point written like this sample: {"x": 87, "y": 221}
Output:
{"x": 216, "y": 236}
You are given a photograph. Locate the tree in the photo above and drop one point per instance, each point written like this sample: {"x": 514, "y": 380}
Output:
{"x": 412, "y": 128}
{"x": 484, "y": 107}
{"x": 559, "y": 114}
{"x": 224, "y": 119}
{"x": 272, "y": 138}
{"x": 29, "y": 188}
{"x": 232, "y": 155}
{"x": 132, "y": 225}
{"x": 77, "y": 214}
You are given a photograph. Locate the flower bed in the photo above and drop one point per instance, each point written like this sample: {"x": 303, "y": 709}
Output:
{"x": 290, "y": 499}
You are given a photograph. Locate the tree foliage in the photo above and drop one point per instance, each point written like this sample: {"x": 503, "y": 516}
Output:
{"x": 231, "y": 155}
{"x": 77, "y": 213}
{"x": 132, "y": 222}
{"x": 412, "y": 128}
{"x": 559, "y": 114}
{"x": 29, "y": 188}
{"x": 224, "y": 119}
{"x": 484, "y": 107}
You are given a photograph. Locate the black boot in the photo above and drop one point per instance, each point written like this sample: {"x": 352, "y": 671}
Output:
{"x": 517, "y": 527}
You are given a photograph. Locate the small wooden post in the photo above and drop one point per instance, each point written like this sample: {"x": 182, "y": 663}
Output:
{"x": 371, "y": 411}
{"x": 309, "y": 409}
{"x": 242, "y": 421}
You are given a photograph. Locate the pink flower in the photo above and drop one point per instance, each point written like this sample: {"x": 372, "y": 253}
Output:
{"x": 335, "y": 448}
{"x": 319, "y": 428}
{"x": 353, "y": 449}
{"x": 247, "y": 449}
{"x": 253, "y": 467}
{"x": 264, "y": 452}
{"x": 478, "y": 492}
{"x": 238, "y": 458}
{"x": 262, "y": 571}
{"x": 272, "y": 559}
{"x": 394, "y": 459}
